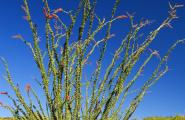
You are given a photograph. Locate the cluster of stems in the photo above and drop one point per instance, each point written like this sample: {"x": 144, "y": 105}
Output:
{"x": 105, "y": 96}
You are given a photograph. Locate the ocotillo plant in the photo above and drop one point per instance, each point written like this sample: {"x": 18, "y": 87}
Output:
{"x": 66, "y": 63}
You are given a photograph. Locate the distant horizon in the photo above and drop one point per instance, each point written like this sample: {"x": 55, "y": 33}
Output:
{"x": 165, "y": 98}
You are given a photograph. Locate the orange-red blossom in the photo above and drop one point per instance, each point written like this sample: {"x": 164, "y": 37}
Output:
{"x": 67, "y": 97}
{"x": 122, "y": 17}
{"x": 53, "y": 15}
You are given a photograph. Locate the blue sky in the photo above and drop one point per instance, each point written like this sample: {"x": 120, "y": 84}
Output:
{"x": 166, "y": 97}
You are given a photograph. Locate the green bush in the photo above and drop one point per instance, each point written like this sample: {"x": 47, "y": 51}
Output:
{"x": 166, "y": 118}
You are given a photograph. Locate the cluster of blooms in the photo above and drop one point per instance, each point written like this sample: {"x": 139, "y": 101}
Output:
{"x": 53, "y": 15}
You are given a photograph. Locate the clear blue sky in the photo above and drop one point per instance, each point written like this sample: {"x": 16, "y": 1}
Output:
{"x": 166, "y": 97}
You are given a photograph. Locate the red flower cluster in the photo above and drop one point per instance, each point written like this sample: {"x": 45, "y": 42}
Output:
{"x": 53, "y": 15}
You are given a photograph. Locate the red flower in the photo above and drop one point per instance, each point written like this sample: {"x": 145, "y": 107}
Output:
{"x": 122, "y": 17}
{"x": 67, "y": 97}
{"x": 3, "y": 93}
{"x": 46, "y": 14}
{"x": 58, "y": 10}
{"x": 49, "y": 16}
{"x": 28, "y": 87}
{"x": 54, "y": 16}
